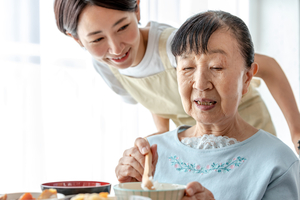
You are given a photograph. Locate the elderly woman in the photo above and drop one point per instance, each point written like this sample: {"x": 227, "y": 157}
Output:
{"x": 222, "y": 156}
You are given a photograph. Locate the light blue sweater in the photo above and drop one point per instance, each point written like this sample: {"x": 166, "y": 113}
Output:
{"x": 261, "y": 167}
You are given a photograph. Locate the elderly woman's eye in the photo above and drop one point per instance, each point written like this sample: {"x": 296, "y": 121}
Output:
{"x": 187, "y": 68}
{"x": 217, "y": 68}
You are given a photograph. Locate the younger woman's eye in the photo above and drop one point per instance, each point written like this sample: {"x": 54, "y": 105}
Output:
{"x": 97, "y": 40}
{"x": 123, "y": 27}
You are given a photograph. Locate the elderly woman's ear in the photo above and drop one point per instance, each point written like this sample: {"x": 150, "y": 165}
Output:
{"x": 249, "y": 75}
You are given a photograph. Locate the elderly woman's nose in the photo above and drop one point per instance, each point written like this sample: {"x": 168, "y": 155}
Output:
{"x": 202, "y": 81}
{"x": 115, "y": 47}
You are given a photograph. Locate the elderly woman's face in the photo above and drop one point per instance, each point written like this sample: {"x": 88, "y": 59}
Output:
{"x": 212, "y": 84}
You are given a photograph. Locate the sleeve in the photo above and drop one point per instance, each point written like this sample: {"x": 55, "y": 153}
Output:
{"x": 113, "y": 82}
{"x": 285, "y": 186}
{"x": 169, "y": 52}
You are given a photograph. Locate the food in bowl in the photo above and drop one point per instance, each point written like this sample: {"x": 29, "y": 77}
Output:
{"x": 3, "y": 197}
{"x": 27, "y": 196}
{"x": 46, "y": 194}
{"x": 77, "y": 187}
{"x": 94, "y": 196}
{"x": 163, "y": 191}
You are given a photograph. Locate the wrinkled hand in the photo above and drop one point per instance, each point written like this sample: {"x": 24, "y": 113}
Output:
{"x": 131, "y": 166}
{"x": 195, "y": 191}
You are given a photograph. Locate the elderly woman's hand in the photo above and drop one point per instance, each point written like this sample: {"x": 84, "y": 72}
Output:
{"x": 131, "y": 166}
{"x": 195, "y": 191}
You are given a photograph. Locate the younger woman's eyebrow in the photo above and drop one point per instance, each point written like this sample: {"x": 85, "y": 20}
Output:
{"x": 93, "y": 33}
{"x": 119, "y": 21}
{"x": 115, "y": 24}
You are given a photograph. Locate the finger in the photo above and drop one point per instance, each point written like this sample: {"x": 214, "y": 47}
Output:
{"x": 143, "y": 145}
{"x": 205, "y": 195}
{"x": 193, "y": 188}
{"x": 136, "y": 154}
{"x": 129, "y": 160}
{"x": 126, "y": 173}
{"x": 128, "y": 152}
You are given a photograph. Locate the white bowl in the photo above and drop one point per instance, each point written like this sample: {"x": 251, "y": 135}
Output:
{"x": 166, "y": 191}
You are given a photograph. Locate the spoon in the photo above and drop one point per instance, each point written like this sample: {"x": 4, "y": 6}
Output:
{"x": 146, "y": 181}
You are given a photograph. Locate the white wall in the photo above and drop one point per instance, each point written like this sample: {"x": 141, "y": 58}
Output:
{"x": 274, "y": 25}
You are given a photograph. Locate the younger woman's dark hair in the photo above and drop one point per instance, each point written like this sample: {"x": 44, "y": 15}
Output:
{"x": 67, "y": 12}
{"x": 194, "y": 34}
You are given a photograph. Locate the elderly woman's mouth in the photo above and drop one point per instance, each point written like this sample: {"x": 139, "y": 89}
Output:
{"x": 205, "y": 103}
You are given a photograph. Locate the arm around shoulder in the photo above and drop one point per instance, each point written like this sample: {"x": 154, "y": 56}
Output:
{"x": 270, "y": 71}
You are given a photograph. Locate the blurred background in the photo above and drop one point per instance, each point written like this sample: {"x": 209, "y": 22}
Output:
{"x": 58, "y": 119}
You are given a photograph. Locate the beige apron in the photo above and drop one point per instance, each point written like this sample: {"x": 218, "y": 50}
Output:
{"x": 159, "y": 94}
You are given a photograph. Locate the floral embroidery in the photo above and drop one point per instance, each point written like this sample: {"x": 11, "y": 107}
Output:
{"x": 196, "y": 168}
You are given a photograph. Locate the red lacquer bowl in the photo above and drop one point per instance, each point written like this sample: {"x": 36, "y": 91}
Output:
{"x": 76, "y": 187}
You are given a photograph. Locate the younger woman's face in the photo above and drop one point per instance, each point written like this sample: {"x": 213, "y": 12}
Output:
{"x": 111, "y": 36}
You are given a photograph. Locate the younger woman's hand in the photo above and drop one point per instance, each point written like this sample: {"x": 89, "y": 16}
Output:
{"x": 295, "y": 139}
{"x": 131, "y": 166}
{"x": 195, "y": 191}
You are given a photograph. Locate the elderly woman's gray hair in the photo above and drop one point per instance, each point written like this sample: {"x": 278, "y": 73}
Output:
{"x": 194, "y": 34}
